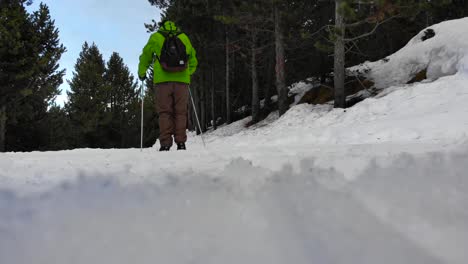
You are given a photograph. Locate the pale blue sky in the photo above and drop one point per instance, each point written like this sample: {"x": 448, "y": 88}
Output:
{"x": 114, "y": 25}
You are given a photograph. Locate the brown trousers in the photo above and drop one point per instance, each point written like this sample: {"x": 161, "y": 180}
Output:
{"x": 172, "y": 106}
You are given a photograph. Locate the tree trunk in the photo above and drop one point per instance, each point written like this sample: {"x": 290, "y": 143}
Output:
{"x": 228, "y": 98}
{"x": 280, "y": 65}
{"x": 270, "y": 80}
{"x": 3, "y": 119}
{"x": 339, "y": 58}
{"x": 255, "y": 95}
{"x": 213, "y": 110}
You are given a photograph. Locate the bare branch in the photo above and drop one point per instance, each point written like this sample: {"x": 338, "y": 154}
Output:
{"x": 358, "y": 52}
{"x": 318, "y": 31}
{"x": 357, "y": 24}
{"x": 372, "y": 31}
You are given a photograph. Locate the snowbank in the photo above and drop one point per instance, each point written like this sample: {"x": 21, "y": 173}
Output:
{"x": 433, "y": 112}
{"x": 440, "y": 56}
{"x": 412, "y": 211}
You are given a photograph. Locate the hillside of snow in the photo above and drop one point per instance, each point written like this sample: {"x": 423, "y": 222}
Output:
{"x": 382, "y": 182}
{"x": 441, "y": 55}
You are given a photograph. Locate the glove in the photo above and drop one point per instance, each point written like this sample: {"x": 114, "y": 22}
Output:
{"x": 142, "y": 78}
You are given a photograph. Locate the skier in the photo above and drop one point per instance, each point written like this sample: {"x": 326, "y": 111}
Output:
{"x": 175, "y": 62}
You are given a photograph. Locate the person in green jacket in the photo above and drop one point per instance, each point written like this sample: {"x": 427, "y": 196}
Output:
{"x": 172, "y": 86}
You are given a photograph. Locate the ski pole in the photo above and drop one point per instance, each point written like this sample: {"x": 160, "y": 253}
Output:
{"x": 196, "y": 116}
{"x": 142, "y": 93}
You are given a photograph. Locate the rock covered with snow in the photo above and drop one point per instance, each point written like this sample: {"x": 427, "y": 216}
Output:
{"x": 299, "y": 89}
{"x": 441, "y": 50}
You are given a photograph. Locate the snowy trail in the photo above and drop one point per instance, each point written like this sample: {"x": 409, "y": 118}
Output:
{"x": 310, "y": 216}
{"x": 28, "y": 173}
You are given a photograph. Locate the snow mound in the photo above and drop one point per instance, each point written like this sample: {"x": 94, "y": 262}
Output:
{"x": 441, "y": 55}
{"x": 412, "y": 211}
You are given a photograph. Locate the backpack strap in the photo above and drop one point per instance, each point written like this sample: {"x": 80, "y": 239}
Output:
{"x": 164, "y": 34}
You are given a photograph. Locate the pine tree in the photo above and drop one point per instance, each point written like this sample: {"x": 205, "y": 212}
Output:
{"x": 15, "y": 53}
{"x": 50, "y": 51}
{"x": 123, "y": 102}
{"x": 29, "y": 74}
{"x": 31, "y": 112}
{"x": 88, "y": 99}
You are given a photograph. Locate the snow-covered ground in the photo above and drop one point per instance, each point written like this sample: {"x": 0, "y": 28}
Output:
{"x": 382, "y": 182}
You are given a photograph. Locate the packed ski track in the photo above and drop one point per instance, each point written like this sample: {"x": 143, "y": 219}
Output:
{"x": 382, "y": 182}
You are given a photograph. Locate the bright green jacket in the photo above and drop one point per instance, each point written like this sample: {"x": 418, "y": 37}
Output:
{"x": 154, "y": 46}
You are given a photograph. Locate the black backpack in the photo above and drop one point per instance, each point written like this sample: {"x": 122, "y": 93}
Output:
{"x": 173, "y": 53}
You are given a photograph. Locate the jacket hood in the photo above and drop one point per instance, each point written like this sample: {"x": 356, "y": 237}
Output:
{"x": 169, "y": 27}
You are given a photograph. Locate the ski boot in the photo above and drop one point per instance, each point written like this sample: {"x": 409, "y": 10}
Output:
{"x": 181, "y": 146}
{"x": 164, "y": 148}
